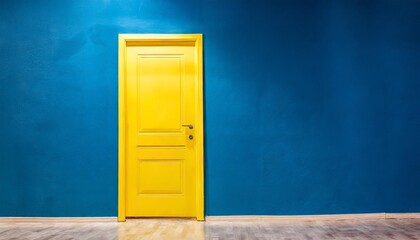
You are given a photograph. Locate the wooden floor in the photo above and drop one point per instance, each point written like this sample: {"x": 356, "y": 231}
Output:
{"x": 190, "y": 229}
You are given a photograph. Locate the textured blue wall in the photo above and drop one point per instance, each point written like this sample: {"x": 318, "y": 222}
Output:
{"x": 311, "y": 107}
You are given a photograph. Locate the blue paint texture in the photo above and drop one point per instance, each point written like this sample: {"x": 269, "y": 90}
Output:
{"x": 311, "y": 107}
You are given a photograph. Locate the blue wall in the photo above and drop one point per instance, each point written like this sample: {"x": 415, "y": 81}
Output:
{"x": 311, "y": 107}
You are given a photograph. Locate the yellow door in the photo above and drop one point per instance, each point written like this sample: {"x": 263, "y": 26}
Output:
{"x": 161, "y": 126}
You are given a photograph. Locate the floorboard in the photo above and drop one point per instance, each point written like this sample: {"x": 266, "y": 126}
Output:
{"x": 214, "y": 230}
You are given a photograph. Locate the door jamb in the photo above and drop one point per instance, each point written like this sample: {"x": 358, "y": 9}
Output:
{"x": 123, "y": 41}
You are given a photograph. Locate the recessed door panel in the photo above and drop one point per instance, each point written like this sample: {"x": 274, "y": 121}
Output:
{"x": 160, "y": 97}
{"x": 171, "y": 174}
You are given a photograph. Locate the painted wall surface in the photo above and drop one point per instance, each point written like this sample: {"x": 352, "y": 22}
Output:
{"x": 311, "y": 107}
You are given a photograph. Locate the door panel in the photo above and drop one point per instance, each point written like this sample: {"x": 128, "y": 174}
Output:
{"x": 149, "y": 184}
{"x": 160, "y": 93}
{"x": 160, "y": 157}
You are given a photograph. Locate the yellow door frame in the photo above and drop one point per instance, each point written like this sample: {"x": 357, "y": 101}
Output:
{"x": 160, "y": 39}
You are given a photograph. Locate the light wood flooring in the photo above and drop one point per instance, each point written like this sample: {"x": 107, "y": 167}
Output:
{"x": 214, "y": 230}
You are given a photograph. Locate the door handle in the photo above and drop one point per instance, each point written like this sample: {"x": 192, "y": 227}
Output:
{"x": 190, "y": 126}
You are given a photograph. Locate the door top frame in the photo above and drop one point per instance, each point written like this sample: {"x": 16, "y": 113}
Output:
{"x": 160, "y": 37}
